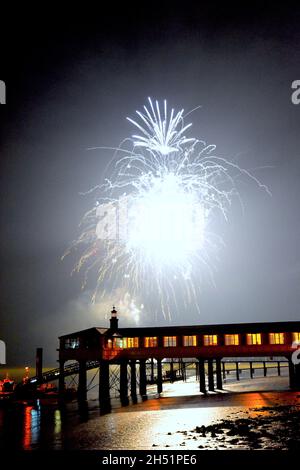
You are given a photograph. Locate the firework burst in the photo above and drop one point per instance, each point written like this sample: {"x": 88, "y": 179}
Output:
{"x": 150, "y": 231}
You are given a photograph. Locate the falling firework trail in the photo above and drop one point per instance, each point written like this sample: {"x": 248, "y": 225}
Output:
{"x": 150, "y": 230}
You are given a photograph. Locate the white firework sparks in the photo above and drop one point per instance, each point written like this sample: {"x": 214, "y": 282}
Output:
{"x": 150, "y": 231}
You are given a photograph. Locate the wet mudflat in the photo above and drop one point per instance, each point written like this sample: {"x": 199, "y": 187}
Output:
{"x": 261, "y": 428}
{"x": 242, "y": 420}
{"x": 251, "y": 414}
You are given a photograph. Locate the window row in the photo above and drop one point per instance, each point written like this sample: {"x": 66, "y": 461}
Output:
{"x": 208, "y": 340}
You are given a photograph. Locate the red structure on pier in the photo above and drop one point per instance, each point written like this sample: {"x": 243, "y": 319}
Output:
{"x": 129, "y": 347}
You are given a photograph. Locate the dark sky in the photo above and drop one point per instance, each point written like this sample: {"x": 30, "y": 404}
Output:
{"x": 71, "y": 85}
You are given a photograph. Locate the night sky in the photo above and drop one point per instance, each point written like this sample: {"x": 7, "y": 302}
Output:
{"x": 71, "y": 86}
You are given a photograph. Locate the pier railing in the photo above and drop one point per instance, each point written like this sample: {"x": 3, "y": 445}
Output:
{"x": 228, "y": 367}
{"x": 70, "y": 369}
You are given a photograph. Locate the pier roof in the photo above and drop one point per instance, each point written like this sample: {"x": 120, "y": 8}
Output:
{"x": 192, "y": 329}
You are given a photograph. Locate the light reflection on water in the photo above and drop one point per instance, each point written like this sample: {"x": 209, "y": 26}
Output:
{"x": 162, "y": 423}
{"x": 27, "y": 428}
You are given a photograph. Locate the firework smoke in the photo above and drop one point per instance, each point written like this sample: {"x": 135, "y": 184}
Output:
{"x": 150, "y": 231}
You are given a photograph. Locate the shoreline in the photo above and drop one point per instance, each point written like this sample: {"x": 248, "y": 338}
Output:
{"x": 246, "y": 415}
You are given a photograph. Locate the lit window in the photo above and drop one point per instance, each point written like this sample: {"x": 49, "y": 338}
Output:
{"x": 210, "y": 340}
{"x": 232, "y": 340}
{"x": 118, "y": 342}
{"x": 109, "y": 343}
{"x": 72, "y": 343}
{"x": 296, "y": 337}
{"x": 170, "y": 341}
{"x": 253, "y": 338}
{"x": 190, "y": 341}
{"x": 130, "y": 342}
{"x": 150, "y": 342}
{"x": 276, "y": 338}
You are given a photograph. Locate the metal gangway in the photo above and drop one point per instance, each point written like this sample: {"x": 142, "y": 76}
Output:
{"x": 70, "y": 369}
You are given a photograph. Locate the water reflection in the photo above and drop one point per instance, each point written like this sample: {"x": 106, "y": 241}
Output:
{"x": 105, "y": 407}
{"x": 57, "y": 422}
{"x": 157, "y": 422}
{"x": 35, "y": 425}
{"x": 27, "y": 428}
{"x": 83, "y": 410}
{"x": 31, "y": 426}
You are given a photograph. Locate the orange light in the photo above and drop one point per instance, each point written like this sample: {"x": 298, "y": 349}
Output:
{"x": 150, "y": 342}
{"x": 276, "y": 338}
{"x": 210, "y": 340}
{"x": 253, "y": 339}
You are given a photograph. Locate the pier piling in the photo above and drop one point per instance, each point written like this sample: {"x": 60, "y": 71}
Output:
{"x": 219, "y": 374}
{"x": 159, "y": 376}
{"x": 39, "y": 364}
{"x": 201, "y": 369}
{"x": 211, "y": 383}
{"x": 237, "y": 371}
{"x": 82, "y": 381}
{"x": 133, "y": 379}
{"x": 143, "y": 380}
{"x": 104, "y": 397}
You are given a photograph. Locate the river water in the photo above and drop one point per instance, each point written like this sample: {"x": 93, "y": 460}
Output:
{"x": 157, "y": 423}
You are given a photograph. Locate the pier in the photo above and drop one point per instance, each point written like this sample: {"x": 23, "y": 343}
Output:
{"x": 139, "y": 354}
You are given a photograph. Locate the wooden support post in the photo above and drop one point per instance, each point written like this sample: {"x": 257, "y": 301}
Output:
{"x": 104, "y": 398}
{"x": 297, "y": 376}
{"x": 278, "y": 367}
{"x": 143, "y": 382}
{"x": 224, "y": 370}
{"x": 133, "y": 378}
{"x": 82, "y": 383}
{"x": 251, "y": 369}
{"x": 265, "y": 369}
{"x": 183, "y": 371}
{"x": 211, "y": 382}
{"x": 152, "y": 370}
{"x": 219, "y": 374}
{"x": 123, "y": 381}
{"x": 201, "y": 366}
{"x": 159, "y": 376}
{"x": 61, "y": 378}
{"x": 237, "y": 371}
{"x": 292, "y": 374}
{"x": 39, "y": 364}
{"x": 171, "y": 371}
{"x": 180, "y": 369}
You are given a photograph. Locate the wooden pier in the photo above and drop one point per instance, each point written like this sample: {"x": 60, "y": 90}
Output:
{"x": 130, "y": 349}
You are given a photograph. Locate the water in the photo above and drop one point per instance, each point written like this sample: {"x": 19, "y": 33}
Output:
{"x": 155, "y": 423}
